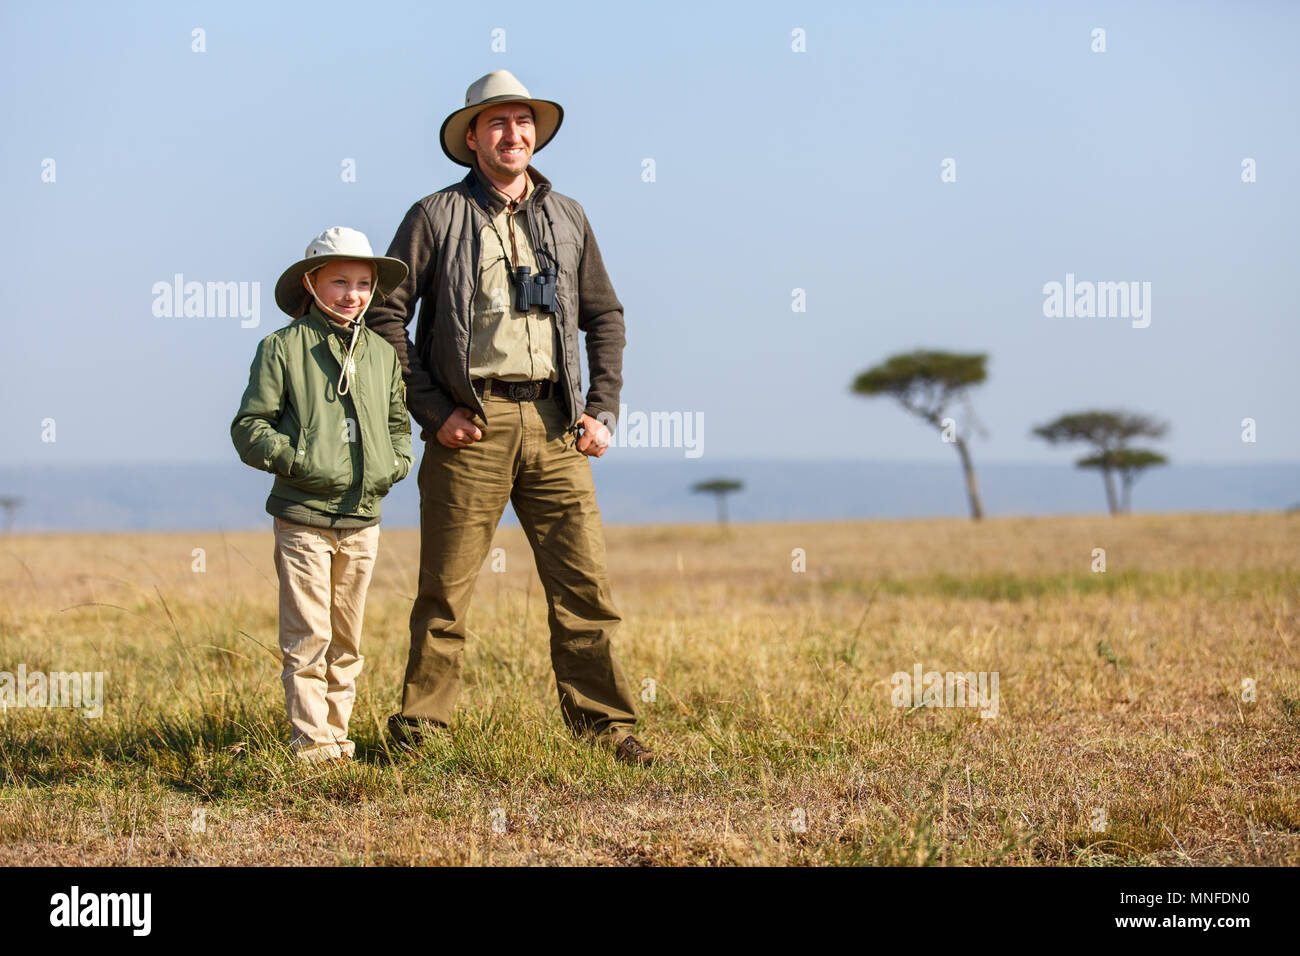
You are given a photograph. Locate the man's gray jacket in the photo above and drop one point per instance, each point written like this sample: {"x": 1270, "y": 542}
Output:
{"x": 439, "y": 241}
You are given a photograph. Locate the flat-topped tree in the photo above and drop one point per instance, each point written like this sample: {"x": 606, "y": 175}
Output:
{"x": 720, "y": 487}
{"x": 10, "y": 504}
{"x": 1130, "y": 463}
{"x": 926, "y": 383}
{"x": 1109, "y": 433}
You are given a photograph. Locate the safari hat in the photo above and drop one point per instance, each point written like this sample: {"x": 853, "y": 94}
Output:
{"x": 499, "y": 86}
{"x": 337, "y": 242}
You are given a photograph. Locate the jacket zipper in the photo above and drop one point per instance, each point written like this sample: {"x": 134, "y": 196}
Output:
{"x": 469, "y": 325}
{"x": 559, "y": 311}
{"x": 356, "y": 408}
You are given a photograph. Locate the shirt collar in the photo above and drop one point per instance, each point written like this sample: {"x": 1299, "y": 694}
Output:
{"x": 528, "y": 191}
{"x": 492, "y": 199}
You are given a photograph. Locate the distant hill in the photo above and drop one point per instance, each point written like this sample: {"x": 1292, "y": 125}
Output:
{"x": 232, "y": 496}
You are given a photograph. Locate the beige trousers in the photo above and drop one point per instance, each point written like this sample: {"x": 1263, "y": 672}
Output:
{"x": 324, "y": 574}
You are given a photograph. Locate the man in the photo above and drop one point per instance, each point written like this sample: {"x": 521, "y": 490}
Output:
{"x": 507, "y": 274}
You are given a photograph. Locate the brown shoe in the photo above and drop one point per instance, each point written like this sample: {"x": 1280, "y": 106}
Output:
{"x": 406, "y": 734}
{"x": 631, "y": 750}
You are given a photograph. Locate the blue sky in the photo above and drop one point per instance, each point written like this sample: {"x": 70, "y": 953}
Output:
{"x": 774, "y": 170}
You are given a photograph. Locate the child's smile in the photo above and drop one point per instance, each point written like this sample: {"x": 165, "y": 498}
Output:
{"x": 343, "y": 287}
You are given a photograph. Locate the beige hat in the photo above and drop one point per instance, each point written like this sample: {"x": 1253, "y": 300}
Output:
{"x": 337, "y": 242}
{"x": 499, "y": 86}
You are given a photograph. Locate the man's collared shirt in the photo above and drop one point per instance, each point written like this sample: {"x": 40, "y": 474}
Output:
{"x": 504, "y": 342}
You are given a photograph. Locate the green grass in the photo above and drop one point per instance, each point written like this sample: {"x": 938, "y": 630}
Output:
{"x": 1131, "y": 583}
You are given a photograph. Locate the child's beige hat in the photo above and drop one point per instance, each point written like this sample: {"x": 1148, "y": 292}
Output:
{"x": 337, "y": 242}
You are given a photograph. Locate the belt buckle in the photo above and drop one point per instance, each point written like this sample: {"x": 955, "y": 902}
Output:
{"x": 524, "y": 391}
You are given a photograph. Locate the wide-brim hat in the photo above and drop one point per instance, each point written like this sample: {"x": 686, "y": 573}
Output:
{"x": 499, "y": 86}
{"x": 337, "y": 242}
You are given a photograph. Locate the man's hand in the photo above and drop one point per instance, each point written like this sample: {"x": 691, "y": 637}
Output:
{"x": 594, "y": 439}
{"x": 458, "y": 431}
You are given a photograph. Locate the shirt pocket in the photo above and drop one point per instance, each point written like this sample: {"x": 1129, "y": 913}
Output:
{"x": 495, "y": 296}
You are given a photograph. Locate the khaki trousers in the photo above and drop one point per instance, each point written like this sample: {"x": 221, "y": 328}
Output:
{"x": 528, "y": 457}
{"x": 324, "y": 574}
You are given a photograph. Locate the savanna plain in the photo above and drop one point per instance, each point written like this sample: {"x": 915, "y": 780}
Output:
{"x": 1147, "y": 713}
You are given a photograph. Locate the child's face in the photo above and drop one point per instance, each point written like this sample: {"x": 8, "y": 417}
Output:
{"x": 344, "y": 285}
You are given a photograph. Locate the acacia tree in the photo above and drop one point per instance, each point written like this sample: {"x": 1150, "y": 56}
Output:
{"x": 1109, "y": 433}
{"x": 720, "y": 487}
{"x": 926, "y": 383}
{"x": 1130, "y": 463}
{"x": 10, "y": 504}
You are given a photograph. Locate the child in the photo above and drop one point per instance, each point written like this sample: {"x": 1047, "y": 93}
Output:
{"x": 325, "y": 412}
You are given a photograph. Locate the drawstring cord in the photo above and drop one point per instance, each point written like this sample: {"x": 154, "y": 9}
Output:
{"x": 345, "y": 374}
{"x": 344, "y": 384}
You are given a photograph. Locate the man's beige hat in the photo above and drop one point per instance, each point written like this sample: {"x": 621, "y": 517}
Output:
{"x": 337, "y": 242}
{"x": 499, "y": 86}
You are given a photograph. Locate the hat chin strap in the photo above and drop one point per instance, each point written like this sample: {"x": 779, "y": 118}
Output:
{"x": 345, "y": 375}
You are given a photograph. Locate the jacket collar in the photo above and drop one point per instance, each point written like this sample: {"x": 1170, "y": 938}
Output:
{"x": 330, "y": 329}
{"x": 486, "y": 195}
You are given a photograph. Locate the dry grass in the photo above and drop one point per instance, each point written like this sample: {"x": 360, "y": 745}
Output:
{"x": 1119, "y": 692}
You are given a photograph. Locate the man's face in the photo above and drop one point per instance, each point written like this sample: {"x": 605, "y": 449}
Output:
{"x": 503, "y": 137}
{"x": 345, "y": 285}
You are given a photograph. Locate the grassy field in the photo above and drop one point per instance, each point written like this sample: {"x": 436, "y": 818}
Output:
{"x": 1124, "y": 733}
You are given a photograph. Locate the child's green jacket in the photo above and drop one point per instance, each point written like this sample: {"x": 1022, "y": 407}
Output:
{"x": 337, "y": 454}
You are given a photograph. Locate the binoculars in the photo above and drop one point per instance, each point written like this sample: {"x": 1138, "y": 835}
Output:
{"x": 531, "y": 290}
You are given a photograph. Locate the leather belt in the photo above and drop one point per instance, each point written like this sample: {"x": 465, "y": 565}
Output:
{"x": 515, "y": 391}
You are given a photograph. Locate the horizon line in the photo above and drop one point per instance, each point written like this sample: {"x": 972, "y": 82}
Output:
{"x": 660, "y": 459}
